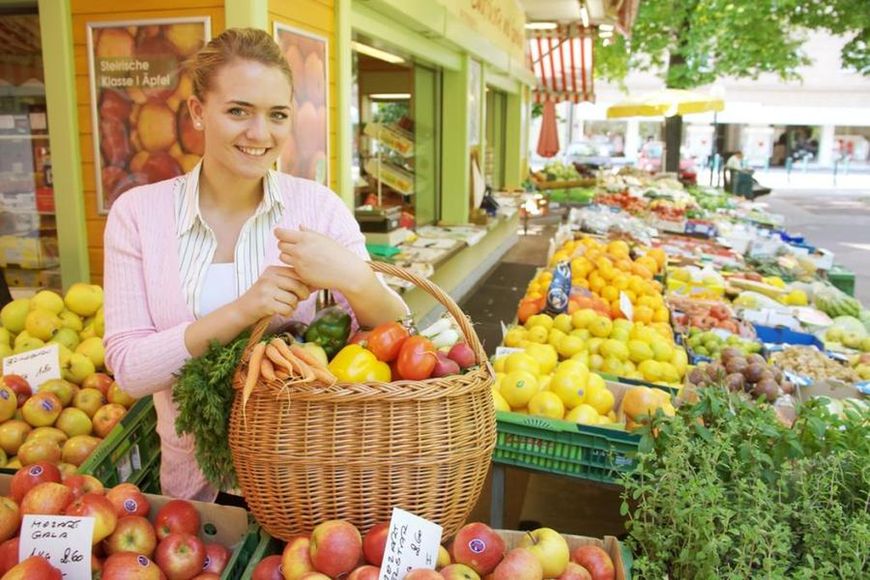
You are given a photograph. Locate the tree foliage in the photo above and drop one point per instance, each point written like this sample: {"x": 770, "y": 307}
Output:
{"x": 696, "y": 42}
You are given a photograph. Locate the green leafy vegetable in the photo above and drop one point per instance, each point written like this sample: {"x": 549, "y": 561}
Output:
{"x": 204, "y": 396}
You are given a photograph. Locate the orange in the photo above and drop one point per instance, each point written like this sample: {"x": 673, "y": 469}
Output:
{"x": 643, "y": 314}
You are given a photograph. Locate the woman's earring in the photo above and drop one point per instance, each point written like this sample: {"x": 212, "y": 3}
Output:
{"x": 197, "y": 124}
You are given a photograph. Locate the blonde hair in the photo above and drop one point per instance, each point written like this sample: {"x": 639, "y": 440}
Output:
{"x": 231, "y": 45}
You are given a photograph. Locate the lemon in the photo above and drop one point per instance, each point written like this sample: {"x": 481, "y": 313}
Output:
{"x": 520, "y": 361}
{"x": 582, "y": 356}
{"x": 547, "y": 404}
{"x": 583, "y": 318}
{"x": 605, "y": 420}
{"x": 662, "y": 351}
{"x": 639, "y": 351}
{"x": 537, "y": 334}
{"x": 570, "y": 345}
{"x": 14, "y": 315}
{"x": 514, "y": 336}
{"x": 544, "y": 382}
{"x": 498, "y": 364}
{"x": 542, "y": 320}
{"x": 572, "y": 366}
{"x": 518, "y": 387}
{"x": 545, "y": 354}
{"x": 612, "y": 365}
{"x": 593, "y": 345}
{"x": 564, "y": 323}
{"x": 596, "y": 381}
{"x": 601, "y": 327}
{"x": 680, "y": 360}
{"x": 651, "y": 370}
{"x": 570, "y": 386}
{"x": 555, "y": 336}
{"x": 583, "y": 414}
{"x": 620, "y": 334}
{"x": 628, "y": 367}
{"x": 623, "y": 324}
{"x": 500, "y": 403}
{"x": 599, "y": 397}
{"x": 596, "y": 361}
{"x": 669, "y": 372}
{"x": 614, "y": 348}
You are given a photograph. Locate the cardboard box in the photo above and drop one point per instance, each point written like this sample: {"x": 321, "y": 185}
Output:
{"x": 829, "y": 388}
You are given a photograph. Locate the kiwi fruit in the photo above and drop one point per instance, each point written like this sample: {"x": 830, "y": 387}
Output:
{"x": 735, "y": 381}
{"x": 754, "y": 372}
{"x": 736, "y": 364}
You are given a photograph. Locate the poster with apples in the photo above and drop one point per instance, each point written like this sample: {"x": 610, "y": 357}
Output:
{"x": 306, "y": 153}
{"x": 142, "y": 130}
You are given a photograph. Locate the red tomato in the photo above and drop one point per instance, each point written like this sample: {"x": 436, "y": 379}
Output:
{"x": 417, "y": 359}
{"x": 386, "y": 339}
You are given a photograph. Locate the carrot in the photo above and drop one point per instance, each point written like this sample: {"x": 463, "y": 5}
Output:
{"x": 267, "y": 369}
{"x": 306, "y": 356}
{"x": 276, "y": 357}
{"x": 305, "y": 369}
{"x": 253, "y": 372}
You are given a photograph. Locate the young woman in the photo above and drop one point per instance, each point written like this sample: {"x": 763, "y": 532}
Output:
{"x": 204, "y": 256}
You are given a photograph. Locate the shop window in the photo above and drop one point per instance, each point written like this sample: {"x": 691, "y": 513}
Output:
{"x": 28, "y": 231}
{"x": 396, "y": 121}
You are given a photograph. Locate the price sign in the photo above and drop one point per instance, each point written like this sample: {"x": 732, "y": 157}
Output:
{"x": 625, "y": 306}
{"x": 36, "y": 366}
{"x": 65, "y": 541}
{"x": 412, "y": 543}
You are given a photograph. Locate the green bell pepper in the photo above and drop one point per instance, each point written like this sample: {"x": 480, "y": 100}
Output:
{"x": 330, "y": 329}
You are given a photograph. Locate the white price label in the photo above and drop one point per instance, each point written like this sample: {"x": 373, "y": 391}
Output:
{"x": 65, "y": 541}
{"x": 501, "y": 351}
{"x": 626, "y": 307}
{"x": 36, "y": 366}
{"x": 412, "y": 543}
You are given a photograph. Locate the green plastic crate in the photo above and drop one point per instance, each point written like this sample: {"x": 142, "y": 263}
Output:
{"x": 564, "y": 448}
{"x": 842, "y": 278}
{"x": 244, "y": 557}
{"x": 266, "y": 546}
{"x": 131, "y": 451}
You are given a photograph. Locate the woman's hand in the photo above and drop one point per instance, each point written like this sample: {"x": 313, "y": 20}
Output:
{"x": 278, "y": 290}
{"x": 321, "y": 262}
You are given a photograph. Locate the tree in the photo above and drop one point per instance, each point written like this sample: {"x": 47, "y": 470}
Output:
{"x": 695, "y": 42}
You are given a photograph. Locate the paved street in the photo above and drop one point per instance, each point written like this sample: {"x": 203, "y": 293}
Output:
{"x": 834, "y": 219}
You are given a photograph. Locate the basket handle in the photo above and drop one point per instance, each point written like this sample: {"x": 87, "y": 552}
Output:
{"x": 433, "y": 290}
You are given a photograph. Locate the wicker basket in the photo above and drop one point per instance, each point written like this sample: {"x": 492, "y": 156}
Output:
{"x": 308, "y": 453}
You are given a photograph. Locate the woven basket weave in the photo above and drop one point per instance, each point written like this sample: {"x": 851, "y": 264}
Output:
{"x": 308, "y": 453}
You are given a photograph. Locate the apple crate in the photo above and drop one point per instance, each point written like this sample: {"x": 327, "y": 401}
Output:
{"x": 130, "y": 452}
{"x": 618, "y": 552}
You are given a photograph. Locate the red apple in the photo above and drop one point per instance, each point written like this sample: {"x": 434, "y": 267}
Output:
{"x": 207, "y": 576}
{"x": 28, "y": 477}
{"x": 519, "y": 564}
{"x": 10, "y": 518}
{"x": 33, "y": 568}
{"x": 99, "y": 508}
{"x": 336, "y": 547}
{"x": 574, "y": 571}
{"x": 130, "y": 566}
{"x": 216, "y": 558}
{"x": 20, "y": 386}
{"x": 180, "y": 556}
{"x": 479, "y": 547}
{"x": 366, "y": 572}
{"x": 8, "y": 554}
{"x": 459, "y": 572}
{"x": 106, "y": 417}
{"x": 374, "y": 543}
{"x": 595, "y": 560}
{"x": 77, "y": 449}
{"x": 550, "y": 548}
{"x": 64, "y": 390}
{"x": 128, "y": 500}
{"x": 119, "y": 396}
{"x": 80, "y": 484}
{"x": 132, "y": 534}
{"x": 423, "y": 574}
{"x": 269, "y": 568}
{"x": 49, "y": 498}
{"x": 98, "y": 381}
{"x": 296, "y": 559}
{"x": 8, "y": 403}
{"x": 177, "y": 516}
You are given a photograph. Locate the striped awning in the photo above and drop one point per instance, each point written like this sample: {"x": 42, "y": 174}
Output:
{"x": 562, "y": 61}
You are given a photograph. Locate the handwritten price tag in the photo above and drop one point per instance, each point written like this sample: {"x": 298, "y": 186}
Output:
{"x": 36, "y": 366}
{"x": 625, "y": 306}
{"x": 412, "y": 543}
{"x": 65, "y": 541}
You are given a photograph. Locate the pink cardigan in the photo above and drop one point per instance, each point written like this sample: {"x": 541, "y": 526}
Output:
{"x": 146, "y": 313}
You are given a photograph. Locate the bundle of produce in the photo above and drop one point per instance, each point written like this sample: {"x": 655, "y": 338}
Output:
{"x": 834, "y": 302}
{"x": 738, "y": 372}
{"x": 808, "y": 361}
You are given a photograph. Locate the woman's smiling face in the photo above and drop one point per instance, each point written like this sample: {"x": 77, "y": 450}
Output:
{"x": 246, "y": 117}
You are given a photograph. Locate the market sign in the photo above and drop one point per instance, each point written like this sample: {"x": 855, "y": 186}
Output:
{"x": 142, "y": 130}
{"x": 502, "y": 22}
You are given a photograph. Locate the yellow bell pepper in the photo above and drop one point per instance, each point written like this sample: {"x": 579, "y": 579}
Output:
{"x": 354, "y": 364}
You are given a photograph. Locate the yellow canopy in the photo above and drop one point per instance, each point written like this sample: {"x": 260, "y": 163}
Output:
{"x": 667, "y": 102}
